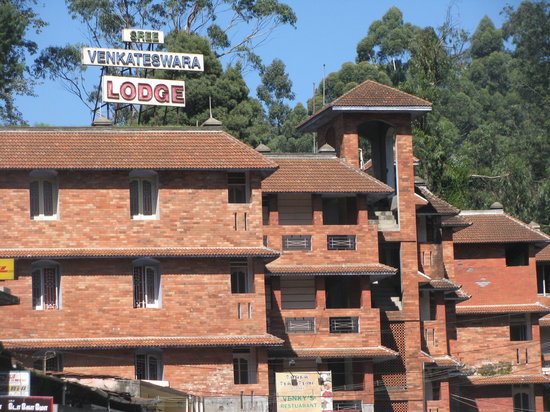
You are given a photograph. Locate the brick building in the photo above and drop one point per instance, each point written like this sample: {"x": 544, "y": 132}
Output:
{"x": 184, "y": 257}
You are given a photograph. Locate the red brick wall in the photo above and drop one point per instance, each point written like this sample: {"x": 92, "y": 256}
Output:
{"x": 94, "y": 210}
{"x": 97, "y": 301}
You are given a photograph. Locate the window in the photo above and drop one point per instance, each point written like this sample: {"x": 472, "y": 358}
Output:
{"x": 543, "y": 279}
{"x": 149, "y": 366}
{"x": 48, "y": 361}
{"x": 297, "y": 242}
{"x": 244, "y": 366}
{"x": 241, "y": 279}
{"x": 146, "y": 284}
{"x": 300, "y": 325}
{"x": 237, "y": 189}
{"x": 143, "y": 194}
{"x": 517, "y": 255}
{"x": 523, "y": 398}
{"x": 348, "y": 324}
{"x": 343, "y": 292}
{"x": 347, "y": 374}
{"x": 46, "y": 286}
{"x": 341, "y": 242}
{"x": 43, "y": 193}
{"x": 520, "y": 328}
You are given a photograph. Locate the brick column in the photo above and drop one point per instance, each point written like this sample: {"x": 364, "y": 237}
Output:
{"x": 317, "y": 204}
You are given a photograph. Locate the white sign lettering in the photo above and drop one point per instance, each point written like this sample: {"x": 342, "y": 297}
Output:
{"x": 134, "y": 90}
{"x": 139, "y": 59}
{"x": 142, "y": 36}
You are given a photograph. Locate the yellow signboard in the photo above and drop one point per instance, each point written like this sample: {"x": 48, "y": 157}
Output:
{"x": 304, "y": 391}
{"x": 7, "y": 269}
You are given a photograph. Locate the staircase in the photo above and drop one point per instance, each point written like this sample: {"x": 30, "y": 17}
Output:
{"x": 384, "y": 220}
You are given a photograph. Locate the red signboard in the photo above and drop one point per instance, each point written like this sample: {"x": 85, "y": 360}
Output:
{"x": 26, "y": 403}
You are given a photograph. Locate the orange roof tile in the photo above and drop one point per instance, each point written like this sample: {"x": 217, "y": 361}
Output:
{"x": 365, "y": 352}
{"x": 454, "y": 221}
{"x": 367, "y": 96}
{"x": 142, "y": 341}
{"x": 320, "y": 175}
{"x": 365, "y": 269}
{"x": 507, "y": 379}
{"x": 511, "y": 308}
{"x": 437, "y": 205}
{"x": 442, "y": 361}
{"x": 459, "y": 295}
{"x": 125, "y": 148}
{"x": 544, "y": 321}
{"x": 543, "y": 255}
{"x": 496, "y": 227}
{"x": 441, "y": 284}
{"x": 374, "y": 94}
{"x": 136, "y": 252}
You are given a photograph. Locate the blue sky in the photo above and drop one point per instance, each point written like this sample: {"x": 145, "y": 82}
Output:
{"x": 327, "y": 33}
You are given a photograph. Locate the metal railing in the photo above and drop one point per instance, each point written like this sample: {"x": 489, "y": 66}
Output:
{"x": 297, "y": 242}
{"x": 300, "y": 325}
{"x": 349, "y": 324}
{"x": 341, "y": 242}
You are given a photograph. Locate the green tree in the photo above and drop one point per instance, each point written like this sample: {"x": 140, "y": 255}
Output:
{"x": 16, "y": 19}
{"x": 486, "y": 39}
{"x": 274, "y": 91}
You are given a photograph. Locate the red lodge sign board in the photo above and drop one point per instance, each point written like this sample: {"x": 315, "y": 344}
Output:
{"x": 135, "y": 90}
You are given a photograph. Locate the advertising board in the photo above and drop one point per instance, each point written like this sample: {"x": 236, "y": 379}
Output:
{"x": 26, "y": 403}
{"x": 142, "y": 36}
{"x": 135, "y": 90}
{"x": 304, "y": 391}
{"x": 15, "y": 383}
{"x": 7, "y": 267}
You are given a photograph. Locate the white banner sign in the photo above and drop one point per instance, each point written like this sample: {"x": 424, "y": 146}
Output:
{"x": 93, "y": 56}
{"x": 142, "y": 36}
{"x": 15, "y": 383}
{"x": 133, "y": 90}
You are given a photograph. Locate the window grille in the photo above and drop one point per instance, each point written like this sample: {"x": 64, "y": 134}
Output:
{"x": 341, "y": 242}
{"x": 146, "y": 287}
{"x": 297, "y": 242}
{"x": 347, "y": 405}
{"x": 344, "y": 325}
{"x": 300, "y": 325}
{"x": 45, "y": 288}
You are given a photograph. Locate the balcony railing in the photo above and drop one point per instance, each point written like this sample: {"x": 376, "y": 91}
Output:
{"x": 341, "y": 242}
{"x": 349, "y": 324}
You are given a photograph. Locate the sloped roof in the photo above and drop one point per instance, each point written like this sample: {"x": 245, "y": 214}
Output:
{"x": 543, "y": 255}
{"x": 138, "y": 252}
{"x": 320, "y": 175}
{"x": 441, "y": 284}
{"x": 138, "y": 341}
{"x": 374, "y": 94}
{"x": 367, "y": 96}
{"x": 496, "y": 227}
{"x": 544, "y": 321}
{"x": 507, "y": 379}
{"x": 511, "y": 308}
{"x": 125, "y": 148}
{"x": 444, "y": 361}
{"x": 436, "y": 205}
{"x": 454, "y": 221}
{"x": 364, "y": 269}
{"x": 312, "y": 353}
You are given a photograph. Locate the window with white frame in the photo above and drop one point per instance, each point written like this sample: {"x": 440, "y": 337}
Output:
{"x": 244, "y": 366}
{"x": 149, "y": 366}
{"x": 241, "y": 278}
{"x": 520, "y": 327}
{"x": 146, "y": 279}
{"x": 143, "y": 194}
{"x": 237, "y": 188}
{"x": 43, "y": 194}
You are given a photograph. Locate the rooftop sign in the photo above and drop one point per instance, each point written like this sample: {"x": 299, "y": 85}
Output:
{"x": 142, "y": 36}
{"x": 135, "y": 90}
{"x": 139, "y": 59}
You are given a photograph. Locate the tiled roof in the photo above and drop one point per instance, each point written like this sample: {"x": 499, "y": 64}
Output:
{"x": 138, "y": 341}
{"x": 441, "y": 284}
{"x": 512, "y": 308}
{"x": 374, "y": 94}
{"x": 442, "y": 361}
{"x": 459, "y": 295}
{"x": 454, "y": 221}
{"x": 365, "y": 352}
{"x": 544, "y": 321}
{"x": 136, "y": 252}
{"x": 437, "y": 205}
{"x": 543, "y": 255}
{"x": 365, "y": 269}
{"x": 367, "y": 96}
{"x": 320, "y": 175}
{"x": 496, "y": 227}
{"x": 507, "y": 379}
{"x": 125, "y": 148}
